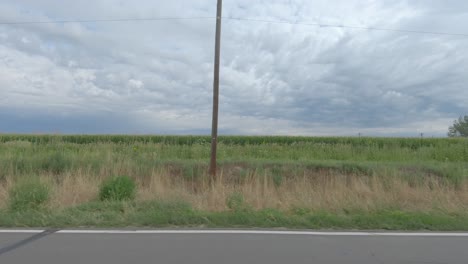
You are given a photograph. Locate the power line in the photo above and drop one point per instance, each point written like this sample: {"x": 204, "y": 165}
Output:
{"x": 102, "y": 20}
{"x": 345, "y": 26}
{"x": 238, "y": 19}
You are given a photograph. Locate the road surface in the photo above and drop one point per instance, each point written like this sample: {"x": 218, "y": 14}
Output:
{"x": 210, "y": 247}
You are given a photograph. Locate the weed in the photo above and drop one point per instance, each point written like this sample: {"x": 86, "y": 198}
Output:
{"x": 236, "y": 202}
{"x": 118, "y": 189}
{"x": 56, "y": 163}
{"x": 28, "y": 195}
{"x": 277, "y": 176}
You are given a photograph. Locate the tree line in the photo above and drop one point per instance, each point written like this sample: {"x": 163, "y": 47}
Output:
{"x": 459, "y": 127}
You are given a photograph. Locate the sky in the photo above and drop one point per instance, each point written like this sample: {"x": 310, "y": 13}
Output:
{"x": 156, "y": 77}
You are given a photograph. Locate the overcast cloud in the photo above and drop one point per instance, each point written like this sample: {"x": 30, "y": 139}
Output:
{"x": 156, "y": 76}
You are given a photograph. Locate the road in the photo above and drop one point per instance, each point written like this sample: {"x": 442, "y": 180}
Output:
{"x": 209, "y": 247}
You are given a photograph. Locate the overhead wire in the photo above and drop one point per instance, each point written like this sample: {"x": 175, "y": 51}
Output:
{"x": 102, "y": 20}
{"x": 236, "y": 19}
{"x": 346, "y": 26}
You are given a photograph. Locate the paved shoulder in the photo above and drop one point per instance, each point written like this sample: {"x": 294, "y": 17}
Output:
{"x": 239, "y": 247}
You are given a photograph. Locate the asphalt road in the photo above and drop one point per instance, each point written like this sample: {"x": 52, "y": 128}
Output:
{"x": 109, "y": 248}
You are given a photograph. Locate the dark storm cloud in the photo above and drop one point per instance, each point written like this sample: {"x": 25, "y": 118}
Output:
{"x": 30, "y": 121}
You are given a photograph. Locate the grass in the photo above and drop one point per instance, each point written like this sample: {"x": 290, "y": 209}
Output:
{"x": 181, "y": 214}
{"x": 295, "y": 182}
{"x": 28, "y": 195}
{"x": 118, "y": 188}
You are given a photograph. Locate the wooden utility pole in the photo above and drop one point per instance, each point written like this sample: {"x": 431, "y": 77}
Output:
{"x": 214, "y": 126}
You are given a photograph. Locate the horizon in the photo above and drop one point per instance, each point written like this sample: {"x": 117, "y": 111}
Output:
{"x": 220, "y": 135}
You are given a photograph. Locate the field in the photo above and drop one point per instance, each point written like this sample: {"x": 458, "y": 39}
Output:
{"x": 301, "y": 182}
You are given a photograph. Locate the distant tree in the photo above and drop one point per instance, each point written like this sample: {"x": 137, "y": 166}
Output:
{"x": 459, "y": 127}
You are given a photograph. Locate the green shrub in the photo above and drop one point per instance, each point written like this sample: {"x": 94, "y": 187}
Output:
{"x": 56, "y": 163}
{"x": 236, "y": 202}
{"x": 117, "y": 189}
{"x": 190, "y": 171}
{"x": 277, "y": 176}
{"x": 28, "y": 196}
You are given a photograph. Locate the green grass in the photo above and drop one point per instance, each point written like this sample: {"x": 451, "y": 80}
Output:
{"x": 270, "y": 148}
{"x": 118, "y": 188}
{"x": 180, "y": 214}
{"x": 139, "y": 155}
{"x": 28, "y": 195}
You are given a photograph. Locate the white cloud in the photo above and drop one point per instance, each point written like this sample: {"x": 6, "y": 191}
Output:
{"x": 25, "y": 40}
{"x": 135, "y": 84}
{"x": 275, "y": 78}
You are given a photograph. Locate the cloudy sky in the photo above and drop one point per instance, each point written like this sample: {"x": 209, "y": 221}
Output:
{"x": 156, "y": 76}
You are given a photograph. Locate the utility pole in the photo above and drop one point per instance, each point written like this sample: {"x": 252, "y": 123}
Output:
{"x": 214, "y": 125}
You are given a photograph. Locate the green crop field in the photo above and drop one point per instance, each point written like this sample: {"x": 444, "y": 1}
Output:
{"x": 304, "y": 182}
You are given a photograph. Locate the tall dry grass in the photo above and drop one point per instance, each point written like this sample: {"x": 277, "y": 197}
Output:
{"x": 4, "y": 189}
{"x": 73, "y": 189}
{"x": 328, "y": 191}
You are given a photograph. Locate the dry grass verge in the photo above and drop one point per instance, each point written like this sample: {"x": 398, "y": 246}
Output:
{"x": 316, "y": 191}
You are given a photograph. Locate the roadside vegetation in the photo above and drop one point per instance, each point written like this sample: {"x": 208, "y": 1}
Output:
{"x": 294, "y": 182}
